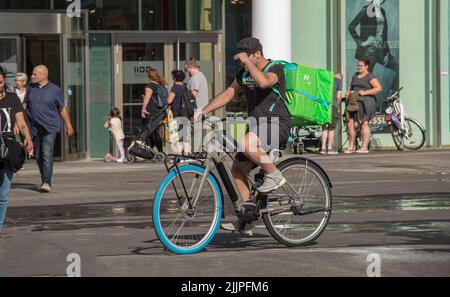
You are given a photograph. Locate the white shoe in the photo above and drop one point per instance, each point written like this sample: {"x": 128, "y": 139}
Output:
{"x": 120, "y": 160}
{"x": 272, "y": 182}
{"x": 237, "y": 226}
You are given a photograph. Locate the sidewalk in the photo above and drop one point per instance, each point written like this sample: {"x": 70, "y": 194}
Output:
{"x": 379, "y": 174}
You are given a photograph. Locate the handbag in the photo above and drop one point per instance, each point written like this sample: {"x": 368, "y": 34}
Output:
{"x": 172, "y": 127}
{"x": 12, "y": 152}
{"x": 352, "y": 102}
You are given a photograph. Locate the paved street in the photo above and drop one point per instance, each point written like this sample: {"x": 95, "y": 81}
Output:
{"x": 393, "y": 204}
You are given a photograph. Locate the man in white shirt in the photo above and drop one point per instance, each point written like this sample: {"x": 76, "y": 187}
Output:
{"x": 198, "y": 83}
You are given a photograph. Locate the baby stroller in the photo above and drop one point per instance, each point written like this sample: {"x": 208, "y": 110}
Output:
{"x": 140, "y": 146}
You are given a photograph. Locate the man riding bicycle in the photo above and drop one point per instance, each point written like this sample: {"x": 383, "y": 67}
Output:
{"x": 264, "y": 84}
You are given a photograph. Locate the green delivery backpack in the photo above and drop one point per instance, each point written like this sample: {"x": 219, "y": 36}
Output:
{"x": 309, "y": 93}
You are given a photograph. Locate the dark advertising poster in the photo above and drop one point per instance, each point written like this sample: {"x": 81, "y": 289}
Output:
{"x": 373, "y": 34}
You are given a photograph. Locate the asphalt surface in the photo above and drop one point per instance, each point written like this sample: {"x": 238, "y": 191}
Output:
{"x": 395, "y": 205}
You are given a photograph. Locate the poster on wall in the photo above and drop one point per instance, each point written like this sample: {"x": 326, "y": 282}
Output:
{"x": 373, "y": 34}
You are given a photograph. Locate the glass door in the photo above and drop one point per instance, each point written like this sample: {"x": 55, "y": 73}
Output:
{"x": 45, "y": 50}
{"x": 203, "y": 52}
{"x": 10, "y": 53}
{"x": 74, "y": 94}
{"x": 137, "y": 59}
{"x": 135, "y": 54}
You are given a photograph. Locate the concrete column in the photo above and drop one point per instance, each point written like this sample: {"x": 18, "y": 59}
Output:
{"x": 272, "y": 24}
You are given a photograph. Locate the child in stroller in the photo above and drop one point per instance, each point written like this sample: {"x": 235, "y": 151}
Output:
{"x": 140, "y": 146}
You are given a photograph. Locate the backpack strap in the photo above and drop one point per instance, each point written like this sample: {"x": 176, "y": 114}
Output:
{"x": 323, "y": 102}
{"x": 274, "y": 87}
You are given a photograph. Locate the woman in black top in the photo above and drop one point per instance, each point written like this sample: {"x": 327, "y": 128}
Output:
{"x": 366, "y": 85}
{"x": 175, "y": 101}
{"x": 11, "y": 110}
{"x": 150, "y": 109}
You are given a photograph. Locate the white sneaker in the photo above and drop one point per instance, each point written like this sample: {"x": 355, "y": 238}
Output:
{"x": 237, "y": 226}
{"x": 120, "y": 160}
{"x": 272, "y": 182}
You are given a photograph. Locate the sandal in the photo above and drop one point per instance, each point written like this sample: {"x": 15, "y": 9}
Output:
{"x": 348, "y": 151}
{"x": 362, "y": 152}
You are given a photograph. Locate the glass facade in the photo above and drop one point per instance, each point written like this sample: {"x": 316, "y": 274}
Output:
{"x": 238, "y": 26}
{"x": 76, "y": 102}
{"x": 113, "y": 14}
{"x": 100, "y": 92}
{"x": 30, "y": 4}
{"x": 185, "y": 15}
{"x": 373, "y": 34}
{"x": 8, "y": 58}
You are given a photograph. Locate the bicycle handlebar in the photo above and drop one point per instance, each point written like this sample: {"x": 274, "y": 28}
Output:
{"x": 395, "y": 95}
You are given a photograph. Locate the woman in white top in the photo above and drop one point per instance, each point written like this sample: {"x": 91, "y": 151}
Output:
{"x": 21, "y": 91}
{"x": 21, "y": 86}
{"x": 115, "y": 126}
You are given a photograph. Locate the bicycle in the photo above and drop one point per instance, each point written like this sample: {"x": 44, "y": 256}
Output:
{"x": 188, "y": 204}
{"x": 406, "y": 132}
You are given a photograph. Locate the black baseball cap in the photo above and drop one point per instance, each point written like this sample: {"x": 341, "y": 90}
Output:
{"x": 249, "y": 45}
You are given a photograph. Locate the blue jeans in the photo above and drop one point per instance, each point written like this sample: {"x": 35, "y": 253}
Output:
{"x": 5, "y": 185}
{"x": 44, "y": 144}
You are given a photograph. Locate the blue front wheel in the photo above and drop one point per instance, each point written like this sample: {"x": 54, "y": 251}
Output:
{"x": 181, "y": 224}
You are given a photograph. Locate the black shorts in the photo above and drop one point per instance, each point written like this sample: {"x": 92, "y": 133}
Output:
{"x": 334, "y": 120}
{"x": 267, "y": 143}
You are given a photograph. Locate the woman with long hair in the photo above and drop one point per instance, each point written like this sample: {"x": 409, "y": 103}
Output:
{"x": 155, "y": 100}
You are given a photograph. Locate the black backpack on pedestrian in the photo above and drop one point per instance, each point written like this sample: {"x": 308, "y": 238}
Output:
{"x": 188, "y": 104}
{"x": 160, "y": 97}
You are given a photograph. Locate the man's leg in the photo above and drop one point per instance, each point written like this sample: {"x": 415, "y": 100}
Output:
{"x": 252, "y": 149}
{"x": 5, "y": 185}
{"x": 240, "y": 173}
{"x": 37, "y": 143}
{"x": 324, "y": 139}
{"x": 48, "y": 146}
{"x": 330, "y": 139}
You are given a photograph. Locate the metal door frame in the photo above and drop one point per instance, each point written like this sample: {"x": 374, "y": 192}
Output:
{"x": 64, "y": 46}
{"x": 168, "y": 39}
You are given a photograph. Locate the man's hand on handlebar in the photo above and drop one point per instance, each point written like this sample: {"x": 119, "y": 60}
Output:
{"x": 199, "y": 115}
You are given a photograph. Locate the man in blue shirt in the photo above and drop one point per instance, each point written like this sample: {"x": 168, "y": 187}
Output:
{"x": 46, "y": 107}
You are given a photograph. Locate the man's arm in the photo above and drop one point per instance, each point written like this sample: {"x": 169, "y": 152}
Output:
{"x": 262, "y": 80}
{"x": 223, "y": 98}
{"x": 66, "y": 118}
{"x": 21, "y": 124}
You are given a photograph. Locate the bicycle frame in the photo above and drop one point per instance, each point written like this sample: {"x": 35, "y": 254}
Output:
{"x": 217, "y": 160}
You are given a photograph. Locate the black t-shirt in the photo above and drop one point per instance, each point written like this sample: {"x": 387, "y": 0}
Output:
{"x": 176, "y": 105}
{"x": 9, "y": 107}
{"x": 261, "y": 100}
